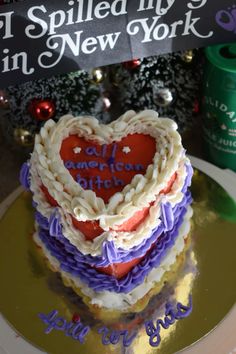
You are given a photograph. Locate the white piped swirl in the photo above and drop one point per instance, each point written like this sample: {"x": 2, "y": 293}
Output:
{"x": 48, "y": 168}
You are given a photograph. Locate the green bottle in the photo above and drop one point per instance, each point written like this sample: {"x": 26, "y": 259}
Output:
{"x": 219, "y": 105}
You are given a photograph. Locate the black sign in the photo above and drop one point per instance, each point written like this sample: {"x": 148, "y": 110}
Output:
{"x": 59, "y": 36}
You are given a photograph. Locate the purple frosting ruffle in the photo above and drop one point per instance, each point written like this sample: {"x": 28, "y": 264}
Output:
{"x": 154, "y": 248}
{"x": 25, "y": 175}
{"x": 110, "y": 254}
{"x": 101, "y": 282}
{"x": 188, "y": 178}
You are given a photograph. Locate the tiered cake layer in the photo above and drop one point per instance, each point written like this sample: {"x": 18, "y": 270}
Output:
{"x": 112, "y": 203}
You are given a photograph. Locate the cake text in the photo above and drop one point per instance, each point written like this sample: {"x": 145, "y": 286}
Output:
{"x": 114, "y": 336}
{"x": 74, "y": 329}
{"x": 171, "y": 315}
{"x": 78, "y": 331}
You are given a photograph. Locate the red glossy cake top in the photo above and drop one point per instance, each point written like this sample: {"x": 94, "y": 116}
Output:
{"x": 107, "y": 169}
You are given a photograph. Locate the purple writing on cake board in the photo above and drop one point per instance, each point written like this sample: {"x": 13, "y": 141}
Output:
{"x": 171, "y": 315}
{"x": 74, "y": 329}
{"x": 78, "y": 331}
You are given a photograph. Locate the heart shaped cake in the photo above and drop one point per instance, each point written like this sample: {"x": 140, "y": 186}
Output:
{"x": 112, "y": 204}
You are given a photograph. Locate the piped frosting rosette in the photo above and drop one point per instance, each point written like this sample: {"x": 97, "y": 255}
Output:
{"x": 48, "y": 169}
{"x": 110, "y": 200}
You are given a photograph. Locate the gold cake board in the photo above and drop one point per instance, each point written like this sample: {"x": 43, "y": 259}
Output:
{"x": 27, "y": 287}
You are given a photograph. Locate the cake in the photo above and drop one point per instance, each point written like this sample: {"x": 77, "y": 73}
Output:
{"x": 112, "y": 206}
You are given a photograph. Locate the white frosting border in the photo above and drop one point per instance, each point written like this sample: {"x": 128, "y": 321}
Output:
{"x": 123, "y": 240}
{"x": 47, "y": 166}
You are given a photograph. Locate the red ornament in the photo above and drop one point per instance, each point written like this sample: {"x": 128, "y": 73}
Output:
{"x": 196, "y": 107}
{"x": 42, "y": 109}
{"x": 132, "y": 64}
{"x": 75, "y": 318}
